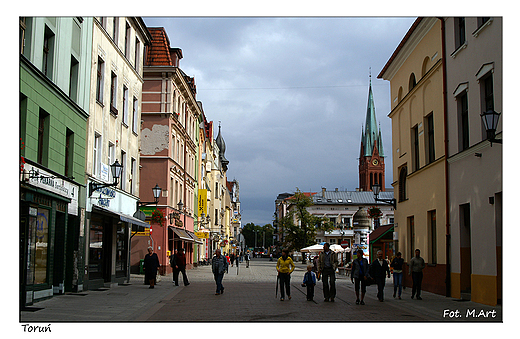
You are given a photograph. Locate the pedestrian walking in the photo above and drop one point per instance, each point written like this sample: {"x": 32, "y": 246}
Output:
{"x": 181, "y": 267}
{"x": 173, "y": 264}
{"x": 151, "y": 264}
{"x": 359, "y": 276}
{"x": 309, "y": 281}
{"x": 397, "y": 266}
{"x": 247, "y": 259}
{"x": 415, "y": 269}
{"x": 219, "y": 266}
{"x": 379, "y": 271}
{"x": 232, "y": 258}
{"x": 285, "y": 266}
{"x": 327, "y": 264}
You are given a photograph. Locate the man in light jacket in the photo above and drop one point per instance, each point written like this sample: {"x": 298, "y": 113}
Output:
{"x": 327, "y": 264}
{"x": 219, "y": 266}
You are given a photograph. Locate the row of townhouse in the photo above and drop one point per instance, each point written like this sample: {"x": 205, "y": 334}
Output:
{"x": 116, "y": 155}
{"x": 446, "y": 80}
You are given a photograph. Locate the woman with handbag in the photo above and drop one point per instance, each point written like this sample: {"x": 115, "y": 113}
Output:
{"x": 360, "y": 276}
{"x": 151, "y": 264}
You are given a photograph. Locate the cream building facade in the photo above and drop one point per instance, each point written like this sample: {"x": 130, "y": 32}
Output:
{"x": 474, "y": 85}
{"x": 114, "y": 128}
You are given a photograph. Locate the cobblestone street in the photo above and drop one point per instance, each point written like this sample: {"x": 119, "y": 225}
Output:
{"x": 250, "y": 297}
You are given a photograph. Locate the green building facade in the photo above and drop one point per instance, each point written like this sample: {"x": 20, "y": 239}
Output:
{"x": 54, "y": 98}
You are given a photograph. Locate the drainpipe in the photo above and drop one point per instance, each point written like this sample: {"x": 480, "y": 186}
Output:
{"x": 446, "y": 150}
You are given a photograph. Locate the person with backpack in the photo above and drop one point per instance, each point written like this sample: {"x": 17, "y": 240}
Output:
{"x": 219, "y": 265}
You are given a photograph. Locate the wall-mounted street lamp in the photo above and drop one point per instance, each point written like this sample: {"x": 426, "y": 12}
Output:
{"x": 156, "y": 194}
{"x": 116, "y": 169}
{"x": 377, "y": 189}
{"x": 490, "y": 120}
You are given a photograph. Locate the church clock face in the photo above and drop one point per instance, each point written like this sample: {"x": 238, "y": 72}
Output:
{"x": 375, "y": 162}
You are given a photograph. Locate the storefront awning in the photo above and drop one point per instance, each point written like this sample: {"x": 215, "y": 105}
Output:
{"x": 137, "y": 225}
{"x": 181, "y": 234}
{"x": 195, "y": 238}
{"x": 380, "y": 232}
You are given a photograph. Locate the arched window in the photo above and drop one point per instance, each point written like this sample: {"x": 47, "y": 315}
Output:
{"x": 400, "y": 94}
{"x": 402, "y": 183}
{"x": 425, "y": 66}
{"x": 412, "y": 82}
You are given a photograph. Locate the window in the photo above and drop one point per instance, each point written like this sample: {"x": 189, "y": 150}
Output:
{"x": 135, "y": 121}
{"x": 69, "y": 151}
{"x": 415, "y": 148}
{"x": 137, "y": 54}
{"x": 127, "y": 41}
{"x": 48, "y": 52}
{"x": 113, "y": 93}
{"x": 488, "y": 101}
{"x": 133, "y": 163}
{"x": 432, "y": 228}
{"x": 23, "y": 27}
{"x": 96, "y": 155}
{"x": 483, "y": 20}
{"x": 111, "y": 156}
{"x": 115, "y": 29}
{"x": 125, "y": 105}
{"x": 460, "y": 32}
{"x": 402, "y": 183}
{"x": 123, "y": 172}
{"x": 411, "y": 236}
{"x": 411, "y": 82}
{"x": 74, "y": 74}
{"x": 430, "y": 139}
{"x": 463, "y": 119}
{"x": 43, "y": 137}
{"x": 100, "y": 80}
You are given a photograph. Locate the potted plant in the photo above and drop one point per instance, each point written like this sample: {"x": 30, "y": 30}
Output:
{"x": 374, "y": 212}
{"x": 157, "y": 216}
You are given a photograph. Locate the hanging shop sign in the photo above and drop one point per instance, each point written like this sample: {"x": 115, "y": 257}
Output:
{"x": 202, "y": 202}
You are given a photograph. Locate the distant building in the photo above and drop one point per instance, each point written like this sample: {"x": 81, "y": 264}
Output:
{"x": 371, "y": 155}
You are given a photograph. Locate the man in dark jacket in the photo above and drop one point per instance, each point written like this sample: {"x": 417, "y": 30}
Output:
{"x": 173, "y": 264}
{"x": 181, "y": 267}
{"x": 379, "y": 271}
{"x": 219, "y": 266}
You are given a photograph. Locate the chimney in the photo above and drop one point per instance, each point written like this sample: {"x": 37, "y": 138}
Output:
{"x": 323, "y": 189}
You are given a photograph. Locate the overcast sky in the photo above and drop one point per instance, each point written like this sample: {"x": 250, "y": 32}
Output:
{"x": 291, "y": 95}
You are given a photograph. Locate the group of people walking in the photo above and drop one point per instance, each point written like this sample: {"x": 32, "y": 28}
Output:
{"x": 362, "y": 273}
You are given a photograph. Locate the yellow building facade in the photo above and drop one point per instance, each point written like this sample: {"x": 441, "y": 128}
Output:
{"x": 415, "y": 72}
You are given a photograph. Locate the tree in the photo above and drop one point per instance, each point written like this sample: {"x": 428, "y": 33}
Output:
{"x": 302, "y": 233}
{"x": 264, "y": 235}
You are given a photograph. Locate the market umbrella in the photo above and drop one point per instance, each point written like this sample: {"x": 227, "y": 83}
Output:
{"x": 313, "y": 248}
{"x": 337, "y": 248}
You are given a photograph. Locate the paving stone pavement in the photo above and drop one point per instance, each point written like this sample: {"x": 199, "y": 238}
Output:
{"x": 249, "y": 297}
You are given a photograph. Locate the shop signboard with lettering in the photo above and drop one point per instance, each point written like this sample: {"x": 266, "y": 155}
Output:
{"x": 42, "y": 179}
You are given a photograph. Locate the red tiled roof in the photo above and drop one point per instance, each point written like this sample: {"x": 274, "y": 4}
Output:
{"x": 159, "y": 51}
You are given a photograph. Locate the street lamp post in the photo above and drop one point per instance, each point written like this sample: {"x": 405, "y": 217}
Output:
{"x": 490, "y": 120}
{"x": 377, "y": 189}
{"x": 116, "y": 169}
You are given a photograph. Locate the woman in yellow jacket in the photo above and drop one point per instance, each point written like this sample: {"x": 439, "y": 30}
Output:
{"x": 285, "y": 266}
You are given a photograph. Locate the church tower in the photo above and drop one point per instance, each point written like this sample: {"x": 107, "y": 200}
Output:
{"x": 371, "y": 157}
